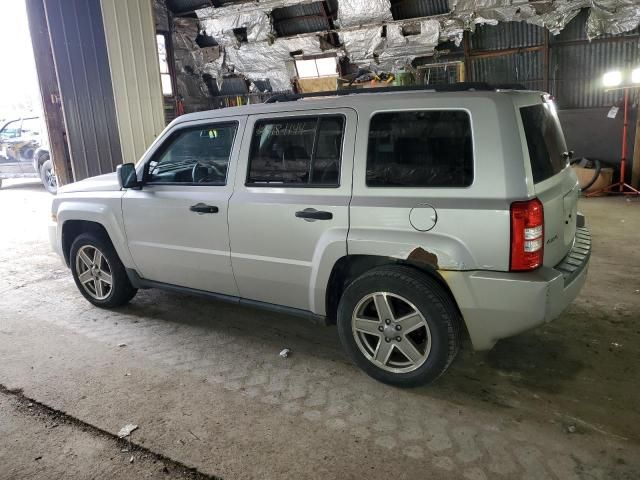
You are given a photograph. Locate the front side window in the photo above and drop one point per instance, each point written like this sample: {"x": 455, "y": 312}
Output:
{"x": 198, "y": 155}
{"x": 427, "y": 148}
{"x": 296, "y": 151}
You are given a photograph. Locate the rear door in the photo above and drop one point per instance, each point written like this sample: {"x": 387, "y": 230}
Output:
{"x": 291, "y": 203}
{"x": 554, "y": 182}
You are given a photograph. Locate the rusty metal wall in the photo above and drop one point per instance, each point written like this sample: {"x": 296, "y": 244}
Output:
{"x": 525, "y": 68}
{"x": 506, "y": 35}
{"x": 403, "y": 9}
{"x": 576, "y": 70}
{"x": 82, "y": 66}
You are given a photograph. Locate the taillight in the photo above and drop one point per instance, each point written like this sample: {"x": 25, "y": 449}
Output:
{"x": 527, "y": 235}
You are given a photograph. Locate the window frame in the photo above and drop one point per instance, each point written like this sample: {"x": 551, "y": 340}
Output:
{"x": 411, "y": 110}
{"x": 318, "y": 117}
{"x": 166, "y": 143}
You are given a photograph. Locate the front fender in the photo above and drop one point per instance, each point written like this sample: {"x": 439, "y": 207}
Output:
{"x": 104, "y": 208}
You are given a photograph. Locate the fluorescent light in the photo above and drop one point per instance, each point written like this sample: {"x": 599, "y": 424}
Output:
{"x": 635, "y": 75}
{"x": 612, "y": 79}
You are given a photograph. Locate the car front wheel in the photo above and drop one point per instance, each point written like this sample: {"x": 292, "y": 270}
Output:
{"x": 399, "y": 325}
{"x": 48, "y": 177}
{"x": 99, "y": 273}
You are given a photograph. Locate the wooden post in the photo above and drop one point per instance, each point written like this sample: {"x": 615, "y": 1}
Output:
{"x": 49, "y": 91}
{"x": 635, "y": 165}
{"x": 466, "y": 44}
{"x": 545, "y": 60}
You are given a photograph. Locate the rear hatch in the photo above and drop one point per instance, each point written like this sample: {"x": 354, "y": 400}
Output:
{"x": 554, "y": 182}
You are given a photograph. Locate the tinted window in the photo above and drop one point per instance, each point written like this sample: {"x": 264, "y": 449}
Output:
{"x": 296, "y": 151}
{"x": 545, "y": 141}
{"x": 420, "y": 149}
{"x": 194, "y": 155}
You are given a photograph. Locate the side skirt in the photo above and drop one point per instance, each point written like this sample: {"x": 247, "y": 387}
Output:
{"x": 138, "y": 282}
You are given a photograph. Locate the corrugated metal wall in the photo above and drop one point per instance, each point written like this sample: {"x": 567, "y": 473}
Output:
{"x": 135, "y": 73}
{"x": 576, "y": 66}
{"x": 82, "y": 66}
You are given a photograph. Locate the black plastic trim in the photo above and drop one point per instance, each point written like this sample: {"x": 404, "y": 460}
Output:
{"x": 138, "y": 282}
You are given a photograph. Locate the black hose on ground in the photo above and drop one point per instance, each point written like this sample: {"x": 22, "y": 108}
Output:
{"x": 597, "y": 166}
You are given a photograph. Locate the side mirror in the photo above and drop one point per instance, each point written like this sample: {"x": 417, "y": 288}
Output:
{"x": 127, "y": 177}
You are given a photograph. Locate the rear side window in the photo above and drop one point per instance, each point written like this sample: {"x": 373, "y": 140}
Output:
{"x": 303, "y": 151}
{"x": 545, "y": 141}
{"x": 430, "y": 148}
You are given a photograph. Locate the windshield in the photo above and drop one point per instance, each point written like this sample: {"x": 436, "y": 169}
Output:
{"x": 547, "y": 147}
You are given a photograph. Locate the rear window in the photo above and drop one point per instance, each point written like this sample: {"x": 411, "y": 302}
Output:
{"x": 545, "y": 141}
{"x": 428, "y": 148}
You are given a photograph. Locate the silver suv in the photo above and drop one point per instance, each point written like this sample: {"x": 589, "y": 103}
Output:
{"x": 408, "y": 218}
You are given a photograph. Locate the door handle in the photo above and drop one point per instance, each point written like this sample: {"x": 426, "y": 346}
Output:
{"x": 201, "y": 208}
{"x": 313, "y": 214}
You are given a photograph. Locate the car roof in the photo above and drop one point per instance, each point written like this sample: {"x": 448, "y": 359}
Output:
{"x": 351, "y": 100}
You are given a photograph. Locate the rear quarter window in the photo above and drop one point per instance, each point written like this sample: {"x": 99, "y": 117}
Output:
{"x": 545, "y": 141}
{"x": 427, "y": 148}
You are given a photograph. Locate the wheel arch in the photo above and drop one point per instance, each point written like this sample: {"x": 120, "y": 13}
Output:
{"x": 72, "y": 229}
{"x": 349, "y": 267}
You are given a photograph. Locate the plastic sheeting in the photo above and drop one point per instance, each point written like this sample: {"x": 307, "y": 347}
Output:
{"x": 360, "y": 22}
{"x": 613, "y": 17}
{"x": 361, "y": 12}
{"x": 273, "y": 61}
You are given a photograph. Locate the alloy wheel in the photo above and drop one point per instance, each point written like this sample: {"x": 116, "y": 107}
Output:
{"x": 391, "y": 332}
{"x": 94, "y": 272}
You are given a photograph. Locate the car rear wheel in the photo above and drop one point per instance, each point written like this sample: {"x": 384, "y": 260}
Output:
{"x": 48, "y": 177}
{"x": 399, "y": 325}
{"x": 99, "y": 273}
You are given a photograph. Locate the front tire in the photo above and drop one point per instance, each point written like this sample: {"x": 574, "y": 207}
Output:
{"x": 399, "y": 325}
{"x": 48, "y": 178}
{"x": 98, "y": 272}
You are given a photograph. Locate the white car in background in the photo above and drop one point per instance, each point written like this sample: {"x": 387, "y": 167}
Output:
{"x": 24, "y": 152}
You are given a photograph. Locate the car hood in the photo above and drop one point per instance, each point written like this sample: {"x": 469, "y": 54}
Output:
{"x": 101, "y": 183}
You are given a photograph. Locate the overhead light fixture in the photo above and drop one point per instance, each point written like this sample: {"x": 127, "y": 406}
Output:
{"x": 635, "y": 75}
{"x": 612, "y": 78}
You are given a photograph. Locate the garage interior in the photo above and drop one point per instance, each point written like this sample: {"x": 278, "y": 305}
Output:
{"x": 202, "y": 380}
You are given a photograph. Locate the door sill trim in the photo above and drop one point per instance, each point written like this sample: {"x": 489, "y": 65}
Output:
{"x": 138, "y": 282}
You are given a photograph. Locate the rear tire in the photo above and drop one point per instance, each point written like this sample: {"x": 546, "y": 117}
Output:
{"x": 48, "y": 178}
{"x": 98, "y": 272}
{"x": 399, "y": 325}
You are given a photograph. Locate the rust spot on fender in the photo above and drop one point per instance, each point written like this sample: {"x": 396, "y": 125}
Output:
{"x": 420, "y": 255}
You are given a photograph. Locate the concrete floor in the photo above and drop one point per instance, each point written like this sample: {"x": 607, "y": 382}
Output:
{"x": 204, "y": 381}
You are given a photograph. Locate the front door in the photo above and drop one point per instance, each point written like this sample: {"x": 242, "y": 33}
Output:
{"x": 291, "y": 204}
{"x": 176, "y": 225}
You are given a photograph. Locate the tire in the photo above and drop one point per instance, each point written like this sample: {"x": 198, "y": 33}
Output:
{"x": 48, "y": 178}
{"x": 119, "y": 292}
{"x": 414, "y": 298}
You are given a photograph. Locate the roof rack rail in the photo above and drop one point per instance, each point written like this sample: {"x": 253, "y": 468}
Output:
{"x": 447, "y": 87}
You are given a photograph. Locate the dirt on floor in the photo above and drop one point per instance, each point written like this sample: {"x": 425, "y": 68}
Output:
{"x": 39, "y": 443}
{"x": 206, "y": 384}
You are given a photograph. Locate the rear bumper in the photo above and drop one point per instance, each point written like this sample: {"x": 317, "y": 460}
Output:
{"x": 497, "y": 305}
